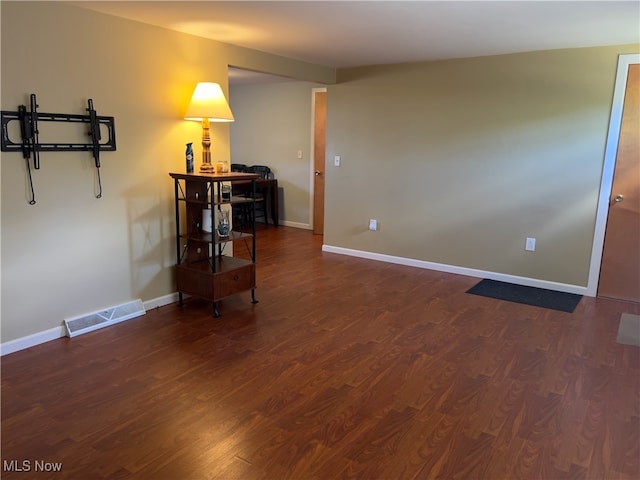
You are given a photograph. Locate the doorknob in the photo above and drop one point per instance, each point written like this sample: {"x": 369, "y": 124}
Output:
{"x": 318, "y": 173}
{"x": 619, "y": 198}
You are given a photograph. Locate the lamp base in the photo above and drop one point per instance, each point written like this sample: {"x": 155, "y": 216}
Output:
{"x": 207, "y": 168}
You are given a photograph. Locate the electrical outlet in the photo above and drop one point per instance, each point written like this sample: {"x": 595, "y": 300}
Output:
{"x": 530, "y": 244}
{"x": 373, "y": 224}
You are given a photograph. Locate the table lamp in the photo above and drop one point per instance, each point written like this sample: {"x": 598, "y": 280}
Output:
{"x": 208, "y": 104}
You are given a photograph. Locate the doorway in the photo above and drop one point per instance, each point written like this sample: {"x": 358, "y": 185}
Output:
{"x": 620, "y": 268}
{"x": 319, "y": 107}
{"x": 613, "y": 249}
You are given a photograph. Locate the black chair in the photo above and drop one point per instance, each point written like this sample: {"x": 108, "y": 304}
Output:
{"x": 262, "y": 170}
{"x": 238, "y": 167}
{"x": 261, "y": 204}
{"x": 241, "y": 212}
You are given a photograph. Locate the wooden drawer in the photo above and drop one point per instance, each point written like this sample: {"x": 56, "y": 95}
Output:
{"x": 201, "y": 282}
{"x": 234, "y": 281}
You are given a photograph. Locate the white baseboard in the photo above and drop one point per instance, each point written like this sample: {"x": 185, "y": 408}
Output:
{"x": 161, "y": 301}
{"x": 58, "y": 332}
{"x": 304, "y": 226}
{"x": 471, "y": 272}
{"x": 32, "y": 340}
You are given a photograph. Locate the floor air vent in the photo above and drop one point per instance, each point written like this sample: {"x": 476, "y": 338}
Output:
{"x": 103, "y": 318}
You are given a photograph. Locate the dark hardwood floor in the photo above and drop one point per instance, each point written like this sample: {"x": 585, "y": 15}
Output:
{"x": 347, "y": 368}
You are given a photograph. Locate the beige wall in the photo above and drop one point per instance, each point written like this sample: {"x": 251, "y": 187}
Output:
{"x": 460, "y": 160}
{"x": 71, "y": 253}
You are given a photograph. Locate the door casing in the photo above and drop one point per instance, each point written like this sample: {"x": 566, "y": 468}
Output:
{"x": 620, "y": 265}
{"x": 606, "y": 184}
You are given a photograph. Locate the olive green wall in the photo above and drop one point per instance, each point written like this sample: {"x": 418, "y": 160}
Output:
{"x": 460, "y": 160}
{"x": 70, "y": 253}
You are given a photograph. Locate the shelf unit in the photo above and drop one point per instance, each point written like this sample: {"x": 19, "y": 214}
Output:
{"x": 202, "y": 268}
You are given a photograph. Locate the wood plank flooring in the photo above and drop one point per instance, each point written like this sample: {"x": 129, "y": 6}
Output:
{"x": 347, "y": 368}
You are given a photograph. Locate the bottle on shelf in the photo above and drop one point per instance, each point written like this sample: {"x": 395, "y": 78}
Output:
{"x": 189, "y": 157}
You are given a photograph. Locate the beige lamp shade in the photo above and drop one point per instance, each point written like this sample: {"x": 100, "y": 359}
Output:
{"x": 208, "y": 102}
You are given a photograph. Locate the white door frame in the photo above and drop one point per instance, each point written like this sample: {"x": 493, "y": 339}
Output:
{"x": 606, "y": 184}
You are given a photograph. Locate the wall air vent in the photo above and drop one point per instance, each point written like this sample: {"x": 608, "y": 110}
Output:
{"x": 103, "y": 318}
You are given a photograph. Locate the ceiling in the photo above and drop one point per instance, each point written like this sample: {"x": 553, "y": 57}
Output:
{"x": 344, "y": 34}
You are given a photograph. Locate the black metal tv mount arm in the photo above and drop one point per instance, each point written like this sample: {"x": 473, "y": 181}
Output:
{"x": 30, "y": 145}
{"x": 94, "y": 131}
{"x": 29, "y": 133}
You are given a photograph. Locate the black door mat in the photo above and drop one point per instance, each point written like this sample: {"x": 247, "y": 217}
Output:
{"x": 538, "y": 297}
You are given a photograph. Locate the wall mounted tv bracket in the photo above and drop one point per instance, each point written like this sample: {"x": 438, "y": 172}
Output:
{"x": 31, "y": 147}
